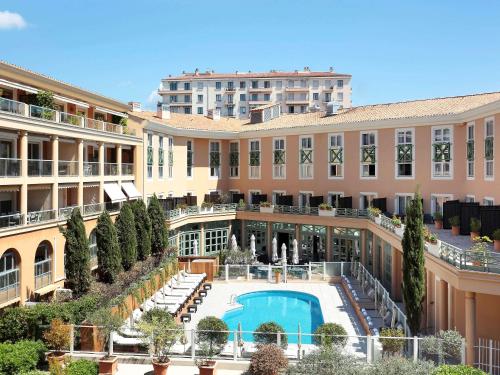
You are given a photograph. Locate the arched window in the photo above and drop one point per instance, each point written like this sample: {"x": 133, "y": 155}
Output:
{"x": 43, "y": 265}
{"x": 9, "y": 276}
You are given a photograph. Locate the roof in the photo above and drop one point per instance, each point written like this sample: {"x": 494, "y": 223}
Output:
{"x": 246, "y": 75}
{"x": 427, "y": 108}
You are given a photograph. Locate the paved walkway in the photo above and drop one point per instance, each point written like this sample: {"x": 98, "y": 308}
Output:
{"x": 129, "y": 369}
{"x": 462, "y": 242}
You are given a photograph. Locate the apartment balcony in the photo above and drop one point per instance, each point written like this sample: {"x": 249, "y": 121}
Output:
{"x": 181, "y": 103}
{"x": 37, "y": 217}
{"x": 127, "y": 169}
{"x": 297, "y": 89}
{"x": 12, "y": 220}
{"x": 68, "y": 168}
{"x": 93, "y": 209}
{"x": 68, "y": 118}
{"x": 65, "y": 212}
{"x": 39, "y": 168}
{"x": 230, "y": 89}
{"x": 91, "y": 169}
{"x": 11, "y": 106}
{"x": 260, "y": 89}
{"x": 258, "y": 102}
{"x": 10, "y": 167}
{"x": 297, "y": 102}
{"x": 111, "y": 169}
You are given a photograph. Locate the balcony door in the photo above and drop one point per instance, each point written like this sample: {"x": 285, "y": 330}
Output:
{"x": 6, "y": 149}
{"x": 34, "y": 151}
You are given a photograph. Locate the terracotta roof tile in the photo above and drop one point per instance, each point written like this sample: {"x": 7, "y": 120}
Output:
{"x": 247, "y": 75}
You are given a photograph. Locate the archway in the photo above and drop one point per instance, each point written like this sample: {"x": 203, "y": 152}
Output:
{"x": 10, "y": 275}
{"x": 43, "y": 265}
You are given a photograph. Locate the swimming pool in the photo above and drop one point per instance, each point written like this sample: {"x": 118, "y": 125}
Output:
{"x": 287, "y": 308}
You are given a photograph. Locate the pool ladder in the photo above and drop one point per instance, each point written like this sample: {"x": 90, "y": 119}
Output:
{"x": 232, "y": 299}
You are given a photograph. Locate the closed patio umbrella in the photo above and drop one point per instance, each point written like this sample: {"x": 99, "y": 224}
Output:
{"x": 283, "y": 254}
{"x": 274, "y": 257}
{"x": 252, "y": 245}
{"x": 295, "y": 256}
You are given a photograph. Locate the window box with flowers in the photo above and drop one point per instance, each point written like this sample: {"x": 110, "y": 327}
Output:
{"x": 324, "y": 209}
{"x": 375, "y": 214}
{"x": 266, "y": 207}
{"x": 432, "y": 242}
{"x": 207, "y": 207}
{"x": 399, "y": 227}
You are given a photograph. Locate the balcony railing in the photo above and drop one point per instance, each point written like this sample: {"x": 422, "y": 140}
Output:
{"x": 10, "y": 167}
{"x": 10, "y": 290}
{"x": 195, "y": 210}
{"x": 65, "y": 212}
{"x": 110, "y": 169}
{"x": 68, "y": 118}
{"x": 113, "y": 207}
{"x": 43, "y": 273}
{"x": 11, "y": 106}
{"x": 43, "y": 113}
{"x": 39, "y": 168}
{"x": 90, "y": 168}
{"x": 93, "y": 209}
{"x": 35, "y": 217}
{"x": 127, "y": 169}
{"x": 12, "y": 220}
{"x": 68, "y": 168}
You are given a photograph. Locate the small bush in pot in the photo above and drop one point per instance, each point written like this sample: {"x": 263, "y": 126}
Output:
{"x": 389, "y": 339}
{"x": 396, "y": 221}
{"x": 212, "y": 332}
{"x": 496, "y": 239}
{"x": 325, "y": 207}
{"x": 374, "y": 211}
{"x": 57, "y": 338}
{"x": 267, "y": 333}
{"x": 475, "y": 227}
{"x": 455, "y": 225}
{"x": 82, "y": 367}
{"x": 265, "y": 204}
{"x": 329, "y": 334}
{"x": 438, "y": 220}
{"x": 327, "y": 361}
{"x": 269, "y": 359}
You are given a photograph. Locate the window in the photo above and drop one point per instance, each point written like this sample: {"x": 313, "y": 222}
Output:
{"x": 243, "y": 84}
{"x": 368, "y": 155}
{"x": 328, "y": 97}
{"x": 290, "y": 84}
{"x": 173, "y": 98}
{"x": 200, "y": 98}
{"x": 255, "y": 84}
{"x": 488, "y": 202}
{"x": 335, "y": 155}
{"x": 160, "y": 157}
{"x": 328, "y": 83}
{"x": 334, "y": 198}
{"x": 291, "y": 109}
{"x": 404, "y": 152}
{"x": 290, "y": 96}
{"x": 234, "y": 159}
{"x": 187, "y": 98}
{"x": 190, "y": 158}
{"x": 199, "y": 110}
{"x": 170, "y": 157}
{"x": 216, "y": 240}
{"x": 187, "y": 110}
{"x": 243, "y": 110}
{"x": 93, "y": 245}
{"x": 470, "y": 198}
{"x": 230, "y": 98}
{"x": 230, "y": 111}
{"x": 218, "y": 85}
{"x": 489, "y": 152}
{"x": 303, "y": 109}
{"x": 243, "y": 97}
{"x": 9, "y": 273}
{"x": 304, "y": 199}
{"x": 366, "y": 200}
{"x": 441, "y": 149}
{"x": 470, "y": 150}
{"x": 279, "y": 97}
{"x": 252, "y": 194}
{"x": 303, "y": 83}
{"x": 340, "y": 83}
{"x": 214, "y": 159}
{"x": 306, "y": 157}
{"x": 276, "y": 195}
{"x": 173, "y": 86}
{"x": 267, "y": 84}
{"x": 279, "y": 158}
{"x": 267, "y": 97}
{"x": 315, "y": 84}
{"x": 279, "y": 85}
{"x": 150, "y": 155}
{"x": 401, "y": 202}
{"x": 230, "y": 85}
{"x": 437, "y": 201}
{"x": 254, "y": 158}
{"x": 315, "y": 96}
{"x": 340, "y": 96}
{"x": 187, "y": 86}
{"x": 199, "y": 85}
{"x": 255, "y": 97}
{"x": 218, "y": 97}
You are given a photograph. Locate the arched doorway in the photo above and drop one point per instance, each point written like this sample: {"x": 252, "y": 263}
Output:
{"x": 9, "y": 275}
{"x": 43, "y": 265}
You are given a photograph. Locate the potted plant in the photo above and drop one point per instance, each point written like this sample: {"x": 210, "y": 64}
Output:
{"x": 241, "y": 205}
{"x": 496, "y": 239}
{"x": 480, "y": 252}
{"x": 268, "y": 360}
{"x": 266, "y": 207}
{"x": 207, "y": 207}
{"x": 58, "y": 339}
{"x": 324, "y": 209}
{"x": 160, "y": 332}
{"x": 475, "y": 228}
{"x": 212, "y": 334}
{"x": 107, "y": 323}
{"x": 267, "y": 333}
{"x": 181, "y": 207}
{"x": 277, "y": 275}
{"x": 399, "y": 227}
{"x": 375, "y": 214}
{"x": 455, "y": 225}
{"x": 432, "y": 242}
{"x": 438, "y": 220}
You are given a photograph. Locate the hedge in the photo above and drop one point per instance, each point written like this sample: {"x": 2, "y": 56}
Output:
{"x": 457, "y": 370}
{"x": 20, "y": 357}
{"x": 82, "y": 367}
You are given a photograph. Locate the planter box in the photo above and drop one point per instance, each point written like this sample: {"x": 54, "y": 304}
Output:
{"x": 160, "y": 368}
{"x": 207, "y": 210}
{"x": 438, "y": 224}
{"x": 267, "y": 210}
{"x": 326, "y": 212}
{"x": 496, "y": 245}
{"x": 434, "y": 248}
{"x": 378, "y": 219}
{"x": 208, "y": 369}
{"x": 400, "y": 230}
{"x": 108, "y": 365}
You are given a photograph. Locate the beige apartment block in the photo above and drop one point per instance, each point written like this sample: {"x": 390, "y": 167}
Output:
{"x": 236, "y": 94}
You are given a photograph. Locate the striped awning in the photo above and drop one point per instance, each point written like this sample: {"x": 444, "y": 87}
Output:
{"x": 9, "y": 189}
{"x": 114, "y": 192}
{"x": 68, "y": 186}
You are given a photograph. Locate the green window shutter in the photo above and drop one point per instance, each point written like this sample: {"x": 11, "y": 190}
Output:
{"x": 160, "y": 156}
{"x": 254, "y": 158}
{"x": 190, "y": 158}
{"x": 170, "y": 158}
{"x": 150, "y": 155}
{"x": 214, "y": 159}
{"x": 336, "y": 155}
{"x": 368, "y": 154}
{"x": 488, "y": 148}
{"x": 234, "y": 159}
{"x": 405, "y": 153}
{"x": 279, "y": 157}
{"x": 305, "y": 156}
{"x": 470, "y": 150}
{"x": 442, "y": 151}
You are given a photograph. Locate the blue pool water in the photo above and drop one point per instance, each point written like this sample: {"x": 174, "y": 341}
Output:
{"x": 286, "y": 308}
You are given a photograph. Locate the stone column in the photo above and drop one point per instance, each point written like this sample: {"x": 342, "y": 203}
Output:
{"x": 451, "y": 307}
{"x": 55, "y": 173}
{"x": 442, "y": 305}
{"x": 328, "y": 244}
{"x": 363, "y": 247}
{"x": 470, "y": 326}
{"x": 80, "y": 172}
{"x": 24, "y": 174}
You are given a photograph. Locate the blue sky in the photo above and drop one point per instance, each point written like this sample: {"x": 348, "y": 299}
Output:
{"x": 395, "y": 50}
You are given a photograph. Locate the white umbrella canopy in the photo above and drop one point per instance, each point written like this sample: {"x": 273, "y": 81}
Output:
{"x": 195, "y": 247}
{"x": 274, "y": 257}
{"x": 283, "y": 254}
{"x": 295, "y": 252}
{"x": 234, "y": 244}
{"x": 252, "y": 245}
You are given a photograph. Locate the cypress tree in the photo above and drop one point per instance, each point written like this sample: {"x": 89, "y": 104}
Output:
{"x": 127, "y": 237}
{"x": 143, "y": 229}
{"x": 108, "y": 253}
{"x": 159, "y": 233}
{"x": 413, "y": 286}
{"x": 77, "y": 264}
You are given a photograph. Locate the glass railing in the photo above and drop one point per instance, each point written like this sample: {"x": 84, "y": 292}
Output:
{"x": 90, "y": 168}
{"x": 127, "y": 169}
{"x": 11, "y": 106}
{"x": 10, "y": 167}
{"x": 10, "y": 285}
{"x": 65, "y": 212}
{"x": 110, "y": 169}
{"x": 43, "y": 113}
{"x": 113, "y": 207}
{"x": 35, "y": 217}
{"x": 39, "y": 167}
{"x": 43, "y": 273}
{"x": 94, "y": 124}
{"x": 68, "y": 168}
{"x": 93, "y": 209}
{"x": 68, "y": 118}
{"x": 12, "y": 220}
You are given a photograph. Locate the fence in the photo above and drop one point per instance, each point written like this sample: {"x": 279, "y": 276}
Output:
{"x": 488, "y": 355}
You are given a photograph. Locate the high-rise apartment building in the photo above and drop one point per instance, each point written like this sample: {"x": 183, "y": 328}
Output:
{"x": 235, "y": 94}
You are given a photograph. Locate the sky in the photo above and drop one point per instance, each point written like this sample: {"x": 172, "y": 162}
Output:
{"x": 395, "y": 50}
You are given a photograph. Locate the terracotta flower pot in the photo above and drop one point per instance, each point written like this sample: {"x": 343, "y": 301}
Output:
{"x": 438, "y": 224}
{"x": 455, "y": 230}
{"x": 496, "y": 245}
{"x": 208, "y": 368}
{"x": 160, "y": 368}
{"x": 108, "y": 365}
{"x": 56, "y": 357}
{"x": 277, "y": 277}
{"x": 473, "y": 235}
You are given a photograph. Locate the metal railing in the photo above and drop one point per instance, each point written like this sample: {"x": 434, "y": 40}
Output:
{"x": 306, "y": 210}
{"x": 110, "y": 169}
{"x": 12, "y": 220}
{"x": 43, "y": 273}
{"x": 10, "y": 167}
{"x": 195, "y": 210}
{"x": 68, "y": 168}
{"x": 39, "y": 168}
{"x": 11, "y": 106}
{"x": 10, "y": 282}
{"x": 113, "y": 207}
{"x": 488, "y": 355}
{"x": 127, "y": 169}
{"x": 90, "y": 168}
{"x": 35, "y": 217}
{"x": 487, "y": 261}
{"x": 65, "y": 212}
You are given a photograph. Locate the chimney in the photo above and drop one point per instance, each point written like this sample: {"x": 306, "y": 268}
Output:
{"x": 331, "y": 69}
{"x": 135, "y": 106}
{"x": 196, "y": 72}
{"x": 306, "y": 69}
{"x": 214, "y": 114}
{"x": 163, "y": 111}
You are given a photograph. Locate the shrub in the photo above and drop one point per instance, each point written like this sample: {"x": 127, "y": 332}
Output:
{"x": 326, "y": 333}
{"x": 438, "y": 216}
{"x": 457, "y": 370}
{"x": 325, "y": 206}
{"x": 127, "y": 236}
{"x": 108, "y": 252}
{"x": 454, "y": 221}
{"x": 107, "y": 323}
{"x": 159, "y": 231}
{"x": 33, "y": 372}
{"x": 268, "y": 360}
{"x": 20, "y": 357}
{"x": 475, "y": 224}
{"x": 447, "y": 344}
{"x": 267, "y": 333}
{"x": 397, "y": 365}
{"x": 82, "y": 367}
{"x": 210, "y": 334}
{"x": 391, "y": 345}
{"x": 142, "y": 228}
{"x": 57, "y": 336}
{"x": 326, "y": 361}
{"x": 374, "y": 211}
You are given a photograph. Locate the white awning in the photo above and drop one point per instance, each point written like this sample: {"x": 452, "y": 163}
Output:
{"x": 131, "y": 190}
{"x": 114, "y": 192}
{"x": 110, "y": 111}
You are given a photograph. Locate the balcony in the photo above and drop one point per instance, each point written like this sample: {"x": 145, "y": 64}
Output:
{"x": 39, "y": 168}
{"x": 65, "y": 212}
{"x": 10, "y": 167}
{"x": 68, "y": 118}
{"x": 90, "y": 168}
{"x": 184, "y": 103}
{"x": 37, "y": 217}
{"x": 110, "y": 169}
{"x": 127, "y": 169}
{"x": 68, "y": 168}
{"x": 113, "y": 207}
{"x": 93, "y": 209}
{"x": 11, "y": 106}
{"x": 260, "y": 89}
{"x": 12, "y": 220}
{"x": 43, "y": 113}
{"x": 230, "y": 89}
{"x": 297, "y": 89}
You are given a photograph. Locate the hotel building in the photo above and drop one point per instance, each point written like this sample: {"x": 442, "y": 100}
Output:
{"x": 236, "y": 94}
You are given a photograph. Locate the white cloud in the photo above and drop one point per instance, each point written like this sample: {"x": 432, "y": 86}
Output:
{"x": 153, "y": 98}
{"x": 9, "y": 20}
